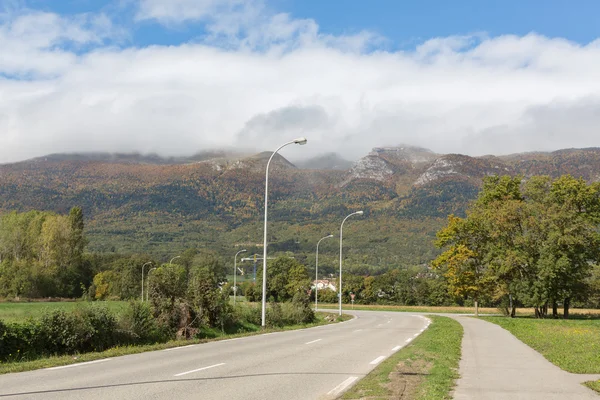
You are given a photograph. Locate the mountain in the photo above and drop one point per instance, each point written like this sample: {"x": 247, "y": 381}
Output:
{"x": 326, "y": 161}
{"x": 136, "y": 203}
{"x": 137, "y": 158}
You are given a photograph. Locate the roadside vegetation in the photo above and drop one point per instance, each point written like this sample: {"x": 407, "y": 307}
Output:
{"x": 249, "y": 329}
{"x": 426, "y": 369}
{"x": 21, "y": 311}
{"x": 573, "y": 345}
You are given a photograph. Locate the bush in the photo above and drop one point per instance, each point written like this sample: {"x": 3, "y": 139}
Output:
{"x": 102, "y": 326}
{"x": 63, "y": 333}
{"x": 248, "y": 313}
{"x": 19, "y": 341}
{"x": 138, "y": 325}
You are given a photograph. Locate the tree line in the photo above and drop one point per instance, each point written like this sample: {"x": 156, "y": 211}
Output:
{"x": 530, "y": 244}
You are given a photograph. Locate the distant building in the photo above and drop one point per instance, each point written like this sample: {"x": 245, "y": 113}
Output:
{"x": 323, "y": 284}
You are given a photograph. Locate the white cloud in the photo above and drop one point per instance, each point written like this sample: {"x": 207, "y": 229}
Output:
{"x": 265, "y": 78}
{"x": 33, "y": 42}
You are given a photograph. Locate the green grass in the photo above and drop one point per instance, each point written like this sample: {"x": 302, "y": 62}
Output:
{"x": 434, "y": 354}
{"x": 595, "y": 385}
{"x": 423, "y": 309}
{"x": 250, "y": 330}
{"x": 16, "y": 312}
{"x": 573, "y": 345}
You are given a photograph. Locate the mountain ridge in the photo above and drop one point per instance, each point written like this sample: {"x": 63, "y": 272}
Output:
{"x": 406, "y": 193}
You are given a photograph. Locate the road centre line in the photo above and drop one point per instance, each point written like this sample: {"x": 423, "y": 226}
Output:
{"x": 199, "y": 369}
{"x": 314, "y": 341}
{"x": 377, "y": 360}
{"x": 78, "y": 364}
{"x": 340, "y": 388}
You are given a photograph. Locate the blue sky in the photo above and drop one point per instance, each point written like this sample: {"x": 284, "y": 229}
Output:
{"x": 403, "y": 23}
{"x": 180, "y": 76}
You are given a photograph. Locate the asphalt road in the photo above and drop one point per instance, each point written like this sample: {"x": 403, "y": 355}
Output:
{"x": 315, "y": 363}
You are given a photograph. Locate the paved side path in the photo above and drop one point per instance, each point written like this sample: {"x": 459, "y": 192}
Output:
{"x": 496, "y": 365}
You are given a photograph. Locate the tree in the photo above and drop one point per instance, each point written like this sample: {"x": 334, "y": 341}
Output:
{"x": 285, "y": 277}
{"x": 535, "y": 243}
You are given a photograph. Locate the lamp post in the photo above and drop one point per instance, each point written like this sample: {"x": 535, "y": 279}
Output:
{"x": 300, "y": 141}
{"x": 341, "y": 231}
{"x": 149, "y": 262}
{"x": 173, "y": 259}
{"x": 148, "y": 284}
{"x": 235, "y": 273}
{"x": 317, "y": 271}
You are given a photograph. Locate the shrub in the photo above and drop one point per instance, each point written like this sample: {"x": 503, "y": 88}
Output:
{"x": 19, "y": 341}
{"x": 248, "y": 313}
{"x": 63, "y": 333}
{"x": 138, "y": 325}
{"x": 102, "y": 326}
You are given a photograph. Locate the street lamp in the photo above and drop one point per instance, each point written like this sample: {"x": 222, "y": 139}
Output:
{"x": 149, "y": 262}
{"x": 148, "y": 284}
{"x": 235, "y": 273}
{"x": 173, "y": 259}
{"x": 300, "y": 141}
{"x": 341, "y": 231}
{"x": 317, "y": 270}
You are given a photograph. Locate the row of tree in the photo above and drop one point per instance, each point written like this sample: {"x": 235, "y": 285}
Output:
{"x": 534, "y": 243}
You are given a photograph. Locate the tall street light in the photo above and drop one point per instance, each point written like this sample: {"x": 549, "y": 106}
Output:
{"x": 173, "y": 259}
{"x": 235, "y": 273}
{"x": 317, "y": 271}
{"x": 148, "y": 284}
{"x": 149, "y": 262}
{"x": 300, "y": 141}
{"x": 341, "y": 231}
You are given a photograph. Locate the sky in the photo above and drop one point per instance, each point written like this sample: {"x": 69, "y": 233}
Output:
{"x": 176, "y": 77}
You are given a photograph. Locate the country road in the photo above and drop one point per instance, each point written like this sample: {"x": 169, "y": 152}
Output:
{"x": 315, "y": 363}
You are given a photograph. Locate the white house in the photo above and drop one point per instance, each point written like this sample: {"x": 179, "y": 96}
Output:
{"x": 323, "y": 284}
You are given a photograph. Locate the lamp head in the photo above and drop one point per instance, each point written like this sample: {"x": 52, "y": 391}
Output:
{"x": 243, "y": 251}
{"x": 359, "y": 213}
{"x": 329, "y": 235}
{"x": 301, "y": 140}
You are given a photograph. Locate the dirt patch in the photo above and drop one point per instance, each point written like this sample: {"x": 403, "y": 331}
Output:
{"x": 404, "y": 380}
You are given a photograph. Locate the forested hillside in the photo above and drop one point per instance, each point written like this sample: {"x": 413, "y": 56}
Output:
{"x": 135, "y": 205}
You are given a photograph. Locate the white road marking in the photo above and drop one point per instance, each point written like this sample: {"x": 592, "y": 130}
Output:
{"x": 229, "y": 340}
{"x": 180, "y": 347}
{"x": 377, "y": 360}
{"x": 396, "y": 348}
{"x": 340, "y": 388}
{"x": 79, "y": 364}
{"x": 358, "y": 330}
{"x": 408, "y": 340}
{"x": 199, "y": 369}
{"x": 314, "y": 341}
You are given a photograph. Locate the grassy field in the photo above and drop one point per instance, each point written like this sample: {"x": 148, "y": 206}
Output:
{"x": 15, "y": 312}
{"x": 573, "y": 345}
{"x": 424, "y": 370}
{"x": 426, "y": 309}
{"x": 575, "y": 312}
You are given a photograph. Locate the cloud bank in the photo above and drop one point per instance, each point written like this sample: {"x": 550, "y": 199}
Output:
{"x": 256, "y": 78}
